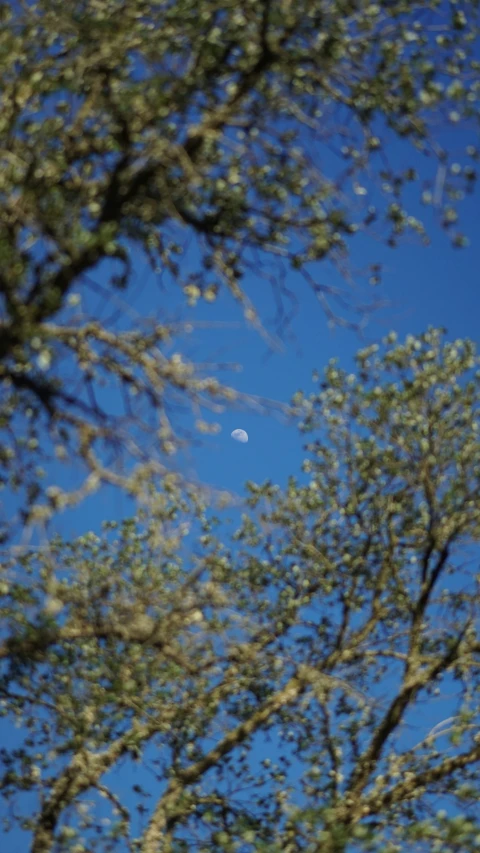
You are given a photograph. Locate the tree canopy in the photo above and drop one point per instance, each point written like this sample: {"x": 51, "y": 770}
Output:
{"x": 308, "y": 682}
{"x": 258, "y": 139}
{"x": 303, "y": 678}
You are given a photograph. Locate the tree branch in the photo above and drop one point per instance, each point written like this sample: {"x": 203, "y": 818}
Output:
{"x": 377, "y": 803}
{"x": 410, "y": 688}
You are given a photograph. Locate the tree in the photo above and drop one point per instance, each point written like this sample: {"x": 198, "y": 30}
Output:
{"x": 259, "y": 136}
{"x": 327, "y": 625}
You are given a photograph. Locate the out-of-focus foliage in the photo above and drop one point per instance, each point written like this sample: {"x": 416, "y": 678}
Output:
{"x": 308, "y": 683}
{"x": 259, "y": 134}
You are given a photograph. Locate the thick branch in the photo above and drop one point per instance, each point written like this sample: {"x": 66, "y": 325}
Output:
{"x": 84, "y": 770}
{"x": 378, "y": 803}
{"x": 167, "y": 811}
{"x": 393, "y": 717}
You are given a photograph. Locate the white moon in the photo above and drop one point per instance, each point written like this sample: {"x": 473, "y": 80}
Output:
{"x": 240, "y": 435}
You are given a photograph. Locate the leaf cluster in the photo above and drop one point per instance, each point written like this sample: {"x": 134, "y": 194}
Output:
{"x": 284, "y": 685}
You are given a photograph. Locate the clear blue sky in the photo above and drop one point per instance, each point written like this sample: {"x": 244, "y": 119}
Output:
{"x": 436, "y": 286}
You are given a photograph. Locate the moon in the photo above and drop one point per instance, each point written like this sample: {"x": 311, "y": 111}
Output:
{"x": 240, "y": 435}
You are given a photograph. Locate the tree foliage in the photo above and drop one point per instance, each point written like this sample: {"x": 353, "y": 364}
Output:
{"x": 308, "y": 682}
{"x": 259, "y": 135}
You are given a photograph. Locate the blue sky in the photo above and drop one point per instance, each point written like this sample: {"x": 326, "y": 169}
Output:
{"x": 435, "y": 285}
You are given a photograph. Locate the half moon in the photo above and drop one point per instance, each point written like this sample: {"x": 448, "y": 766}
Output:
{"x": 240, "y": 435}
